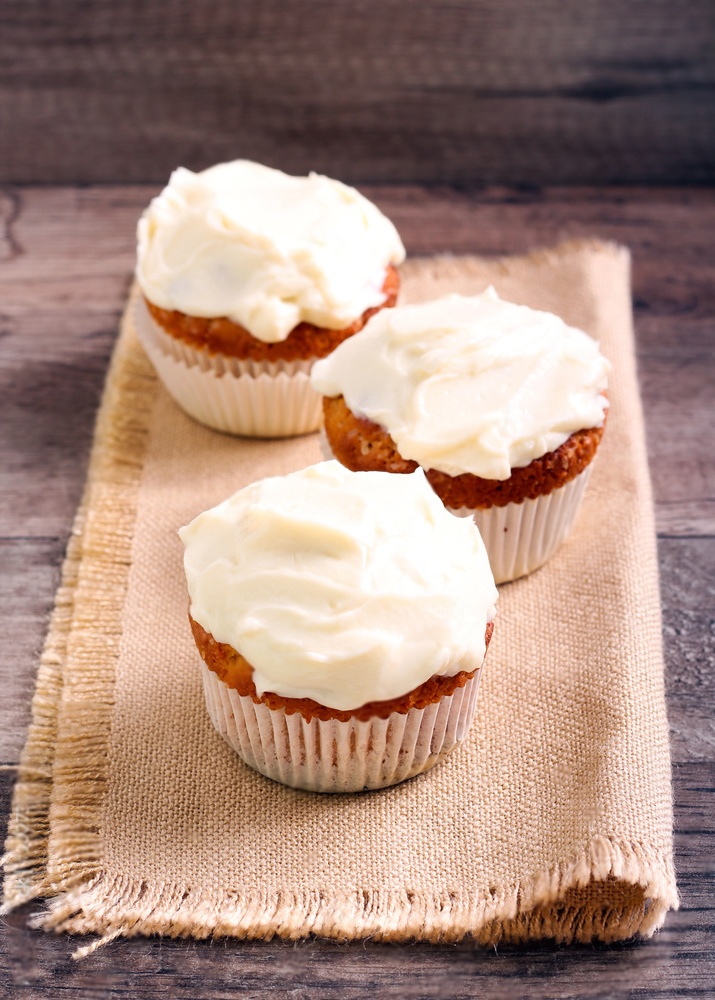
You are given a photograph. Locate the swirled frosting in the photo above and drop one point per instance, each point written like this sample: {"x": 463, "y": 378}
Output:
{"x": 344, "y": 587}
{"x": 266, "y": 250}
{"x": 470, "y": 384}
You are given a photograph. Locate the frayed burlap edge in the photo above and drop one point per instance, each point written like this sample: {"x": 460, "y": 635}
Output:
{"x": 610, "y": 892}
{"x": 89, "y": 600}
{"x": 25, "y": 862}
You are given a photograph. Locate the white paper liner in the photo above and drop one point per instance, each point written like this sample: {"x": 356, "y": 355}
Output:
{"x": 337, "y": 756}
{"x": 520, "y": 537}
{"x": 250, "y": 398}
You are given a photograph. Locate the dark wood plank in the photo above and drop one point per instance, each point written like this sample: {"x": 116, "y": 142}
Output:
{"x": 688, "y": 601}
{"x": 67, "y": 249}
{"x": 65, "y": 262}
{"x": 61, "y": 292}
{"x": 683, "y": 477}
{"x": 50, "y": 402}
{"x": 434, "y": 91}
{"x": 29, "y": 578}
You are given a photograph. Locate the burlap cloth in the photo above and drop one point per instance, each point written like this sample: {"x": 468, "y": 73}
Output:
{"x": 552, "y": 820}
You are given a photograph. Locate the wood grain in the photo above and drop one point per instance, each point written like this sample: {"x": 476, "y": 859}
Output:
{"x": 430, "y": 91}
{"x": 65, "y": 261}
{"x": 30, "y": 576}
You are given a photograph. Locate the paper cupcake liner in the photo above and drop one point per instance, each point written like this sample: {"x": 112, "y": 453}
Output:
{"x": 250, "y": 398}
{"x": 520, "y": 537}
{"x": 337, "y": 756}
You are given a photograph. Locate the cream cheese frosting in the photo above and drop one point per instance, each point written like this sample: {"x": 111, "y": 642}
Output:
{"x": 344, "y": 587}
{"x": 470, "y": 384}
{"x": 267, "y": 250}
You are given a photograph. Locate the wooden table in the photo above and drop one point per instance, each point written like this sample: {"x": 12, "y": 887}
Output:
{"x": 66, "y": 256}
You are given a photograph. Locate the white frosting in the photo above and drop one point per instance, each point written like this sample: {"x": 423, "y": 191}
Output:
{"x": 267, "y": 250}
{"x": 344, "y": 587}
{"x": 470, "y": 384}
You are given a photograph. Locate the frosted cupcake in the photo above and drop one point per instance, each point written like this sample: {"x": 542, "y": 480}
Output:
{"x": 342, "y": 620}
{"x": 247, "y": 277}
{"x": 502, "y": 406}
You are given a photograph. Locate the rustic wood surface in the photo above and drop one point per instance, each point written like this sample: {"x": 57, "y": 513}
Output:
{"x": 65, "y": 260}
{"x": 428, "y": 91}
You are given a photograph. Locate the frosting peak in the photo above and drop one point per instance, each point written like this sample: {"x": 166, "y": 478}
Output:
{"x": 267, "y": 250}
{"x": 339, "y": 586}
{"x": 470, "y": 384}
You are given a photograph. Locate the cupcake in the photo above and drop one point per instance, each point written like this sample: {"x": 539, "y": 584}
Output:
{"x": 247, "y": 277}
{"x": 341, "y": 621}
{"x": 501, "y": 405}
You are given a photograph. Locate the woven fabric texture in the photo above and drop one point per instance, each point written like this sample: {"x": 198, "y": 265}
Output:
{"x": 553, "y": 819}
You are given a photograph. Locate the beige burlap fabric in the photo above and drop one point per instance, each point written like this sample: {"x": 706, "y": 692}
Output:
{"x": 552, "y": 820}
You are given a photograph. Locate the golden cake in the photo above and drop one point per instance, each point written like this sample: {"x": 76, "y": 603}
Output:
{"x": 247, "y": 276}
{"x": 341, "y": 621}
{"x": 502, "y": 406}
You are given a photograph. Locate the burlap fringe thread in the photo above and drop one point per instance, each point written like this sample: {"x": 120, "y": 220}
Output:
{"x": 94, "y": 576}
{"x": 53, "y": 850}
